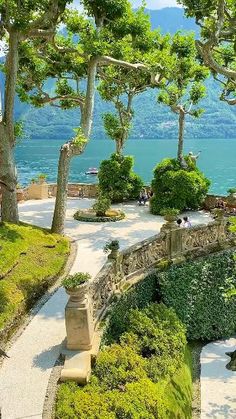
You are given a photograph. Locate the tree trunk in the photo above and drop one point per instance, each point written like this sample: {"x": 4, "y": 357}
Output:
{"x": 7, "y": 140}
{"x": 9, "y": 181}
{"x": 62, "y": 185}
{"x": 87, "y": 113}
{"x": 181, "y": 135}
{"x": 67, "y": 153}
{"x": 119, "y": 146}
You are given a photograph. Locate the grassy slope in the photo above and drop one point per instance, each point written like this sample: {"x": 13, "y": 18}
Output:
{"x": 178, "y": 392}
{"x": 30, "y": 258}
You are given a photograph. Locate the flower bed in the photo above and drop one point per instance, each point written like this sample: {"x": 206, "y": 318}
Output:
{"x": 90, "y": 216}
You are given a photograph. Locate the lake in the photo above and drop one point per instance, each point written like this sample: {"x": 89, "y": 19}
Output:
{"x": 217, "y": 160}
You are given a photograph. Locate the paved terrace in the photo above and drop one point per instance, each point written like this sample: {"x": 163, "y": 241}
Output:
{"x": 24, "y": 376}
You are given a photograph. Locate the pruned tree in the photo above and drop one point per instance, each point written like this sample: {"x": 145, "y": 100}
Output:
{"x": 20, "y": 21}
{"x": 183, "y": 88}
{"x": 217, "y": 20}
{"x": 73, "y": 60}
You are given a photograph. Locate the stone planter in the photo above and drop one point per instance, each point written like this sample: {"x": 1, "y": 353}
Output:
{"x": 170, "y": 218}
{"x": 38, "y": 190}
{"x": 20, "y": 195}
{"x": 79, "y": 319}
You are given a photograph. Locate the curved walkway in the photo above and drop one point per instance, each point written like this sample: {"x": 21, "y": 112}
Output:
{"x": 24, "y": 376}
{"x": 218, "y": 384}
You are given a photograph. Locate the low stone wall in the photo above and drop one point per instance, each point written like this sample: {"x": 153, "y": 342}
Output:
{"x": 172, "y": 244}
{"x": 80, "y": 190}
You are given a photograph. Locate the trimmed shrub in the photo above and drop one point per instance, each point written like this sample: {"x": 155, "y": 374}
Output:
{"x": 175, "y": 187}
{"x": 157, "y": 335}
{"x": 139, "y": 296}
{"x": 117, "y": 366}
{"x": 117, "y": 179}
{"x": 197, "y": 291}
{"x": 102, "y": 204}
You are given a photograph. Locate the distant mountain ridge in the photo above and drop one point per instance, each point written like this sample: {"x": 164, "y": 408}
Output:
{"x": 152, "y": 121}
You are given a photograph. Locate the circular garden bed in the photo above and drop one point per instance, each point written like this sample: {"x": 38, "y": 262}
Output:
{"x": 90, "y": 216}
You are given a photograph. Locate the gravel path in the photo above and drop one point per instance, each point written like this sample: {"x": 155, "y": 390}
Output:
{"x": 24, "y": 376}
{"x": 218, "y": 384}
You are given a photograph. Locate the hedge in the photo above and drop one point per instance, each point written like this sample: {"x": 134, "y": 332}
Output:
{"x": 197, "y": 291}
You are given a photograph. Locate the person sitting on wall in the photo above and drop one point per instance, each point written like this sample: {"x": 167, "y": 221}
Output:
{"x": 143, "y": 197}
{"x": 187, "y": 223}
{"x": 179, "y": 223}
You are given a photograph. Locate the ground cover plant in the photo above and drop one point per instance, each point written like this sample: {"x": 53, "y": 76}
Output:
{"x": 198, "y": 291}
{"x": 146, "y": 373}
{"x": 178, "y": 187}
{"x": 30, "y": 258}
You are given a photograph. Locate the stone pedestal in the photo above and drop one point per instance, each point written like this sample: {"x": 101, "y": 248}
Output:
{"x": 79, "y": 320}
{"x": 38, "y": 191}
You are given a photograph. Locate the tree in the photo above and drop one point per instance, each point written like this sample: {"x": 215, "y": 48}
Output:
{"x": 217, "y": 20}
{"x": 120, "y": 85}
{"x": 184, "y": 87}
{"x": 73, "y": 61}
{"x": 19, "y": 22}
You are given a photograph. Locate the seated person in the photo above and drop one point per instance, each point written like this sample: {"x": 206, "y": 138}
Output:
{"x": 143, "y": 197}
{"x": 220, "y": 204}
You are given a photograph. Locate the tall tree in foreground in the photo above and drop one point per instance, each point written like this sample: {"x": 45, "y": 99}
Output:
{"x": 19, "y": 21}
{"x": 73, "y": 62}
{"x": 184, "y": 87}
{"x": 217, "y": 20}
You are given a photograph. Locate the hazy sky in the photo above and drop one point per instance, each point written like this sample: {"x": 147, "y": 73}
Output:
{"x": 151, "y": 4}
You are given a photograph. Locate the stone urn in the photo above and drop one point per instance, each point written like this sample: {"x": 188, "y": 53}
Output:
{"x": 79, "y": 293}
{"x": 170, "y": 218}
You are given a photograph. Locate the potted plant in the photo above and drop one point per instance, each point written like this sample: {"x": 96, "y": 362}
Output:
{"x": 76, "y": 285}
{"x": 112, "y": 247}
{"x": 33, "y": 180}
{"x": 42, "y": 177}
{"x": 170, "y": 214}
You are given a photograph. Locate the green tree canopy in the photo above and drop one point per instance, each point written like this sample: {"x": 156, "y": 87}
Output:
{"x": 183, "y": 88}
{"x": 217, "y": 19}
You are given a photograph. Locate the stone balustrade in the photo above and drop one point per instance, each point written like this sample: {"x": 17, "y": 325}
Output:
{"x": 171, "y": 245}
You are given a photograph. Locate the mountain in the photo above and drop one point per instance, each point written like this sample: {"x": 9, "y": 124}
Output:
{"x": 152, "y": 121}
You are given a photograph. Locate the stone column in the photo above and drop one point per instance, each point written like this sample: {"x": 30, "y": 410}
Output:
{"x": 173, "y": 240}
{"x": 79, "y": 319}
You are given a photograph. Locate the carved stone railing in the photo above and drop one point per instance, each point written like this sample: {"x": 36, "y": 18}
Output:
{"x": 172, "y": 244}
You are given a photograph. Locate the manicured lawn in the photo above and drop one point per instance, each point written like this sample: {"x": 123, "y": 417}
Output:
{"x": 30, "y": 259}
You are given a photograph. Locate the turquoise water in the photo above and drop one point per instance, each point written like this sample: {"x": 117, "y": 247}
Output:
{"x": 218, "y": 159}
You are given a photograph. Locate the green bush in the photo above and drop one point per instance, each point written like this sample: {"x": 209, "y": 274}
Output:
{"x": 198, "y": 293}
{"x": 117, "y": 366}
{"x": 102, "y": 204}
{"x": 157, "y": 335}
{"x": 175, "y": 187}
{"x": 117, "y": 179}
{"x": 139, "y": 296}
